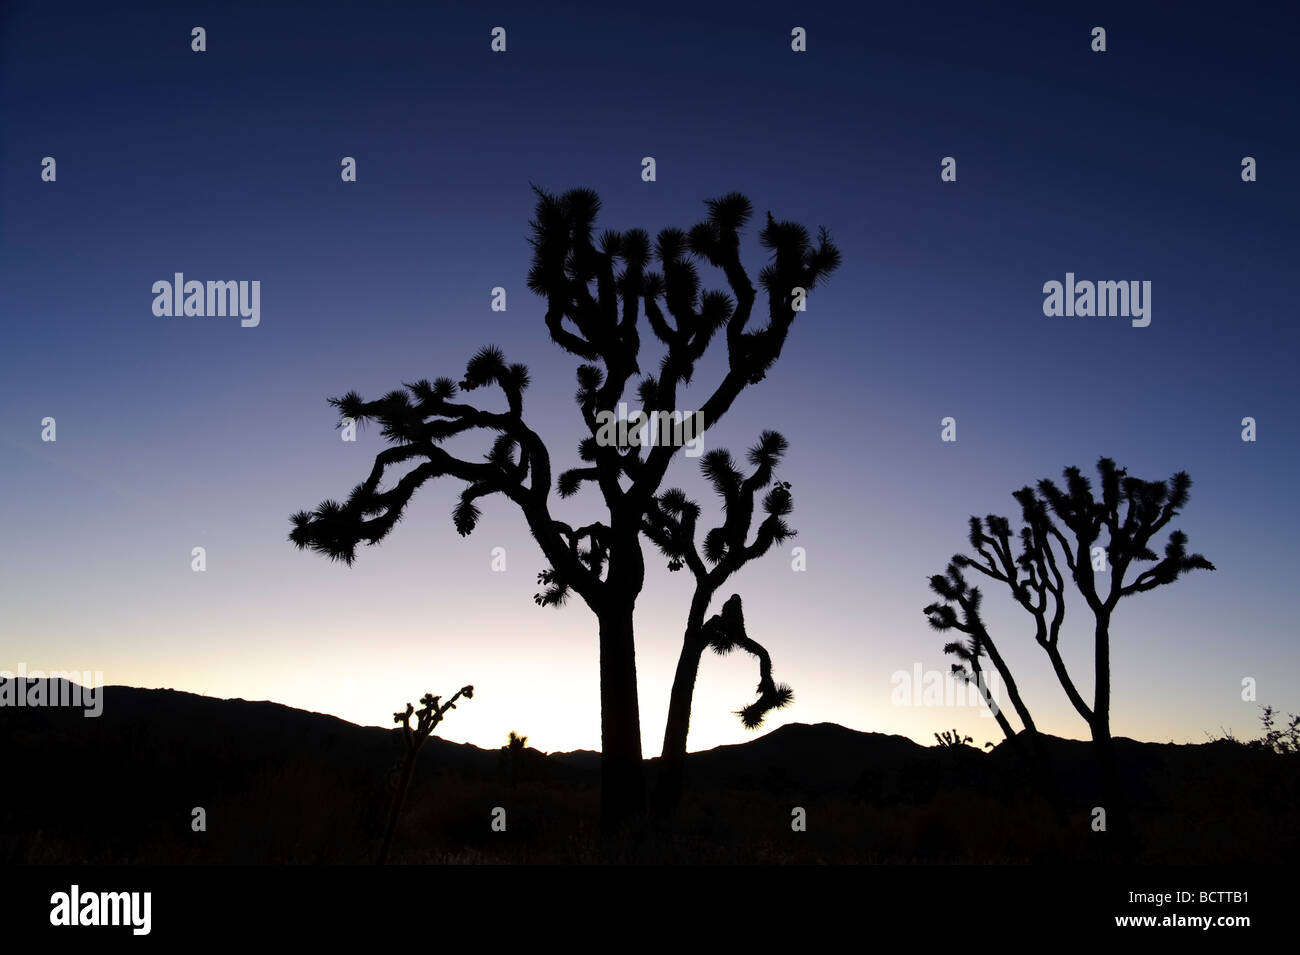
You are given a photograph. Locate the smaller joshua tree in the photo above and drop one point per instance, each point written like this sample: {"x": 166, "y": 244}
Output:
{"x": 1101, "y": 544}
{"x": 959, "y": 609}
{"x": 671, "y": 522}
{"x": 513, "y": 751}
{"x": 430, "y": 714}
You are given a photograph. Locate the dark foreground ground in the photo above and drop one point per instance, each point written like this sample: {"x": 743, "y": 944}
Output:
{"x": 285, "y": 786}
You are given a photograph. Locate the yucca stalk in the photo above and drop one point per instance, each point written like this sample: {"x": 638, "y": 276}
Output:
{"x": 430, "y": 714}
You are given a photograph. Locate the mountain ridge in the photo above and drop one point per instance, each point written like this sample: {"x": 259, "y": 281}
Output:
{"x": 279, "y": 784}
{"x": 820, "y": 727}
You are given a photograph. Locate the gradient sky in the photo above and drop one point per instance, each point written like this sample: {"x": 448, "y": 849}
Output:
{"x": 183, "y": 432}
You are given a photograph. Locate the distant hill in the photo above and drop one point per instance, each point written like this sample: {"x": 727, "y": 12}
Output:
{"x": 285, "y": 785}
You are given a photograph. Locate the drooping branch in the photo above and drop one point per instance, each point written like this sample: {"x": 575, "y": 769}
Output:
{"x": 725, "y": 631}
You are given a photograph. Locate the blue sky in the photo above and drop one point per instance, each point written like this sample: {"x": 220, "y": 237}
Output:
{"x": 183, "y": 432}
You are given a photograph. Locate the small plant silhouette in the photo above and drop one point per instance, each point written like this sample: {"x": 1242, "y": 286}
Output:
{"x": 953, "y": 738}
{"x": 1285, "y": 741}
{"x": 430, "y": 714}
{"x": 513, "y": 751}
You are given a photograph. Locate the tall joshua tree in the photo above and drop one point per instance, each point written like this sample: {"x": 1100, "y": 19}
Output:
{"x": 594, "y": 289}
{"x": 670, "y": 522}
{"x": 1061, "y": 537}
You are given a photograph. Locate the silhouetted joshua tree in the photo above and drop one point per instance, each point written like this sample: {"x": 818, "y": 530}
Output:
{"x": 513, "y": 753}
{"x": 1130, "y": 512}
{"x": 670, "y": 523}
{"x": 594, "y": 292}
{"x": 427, "y": 717}
{"x": 959, "y": 610}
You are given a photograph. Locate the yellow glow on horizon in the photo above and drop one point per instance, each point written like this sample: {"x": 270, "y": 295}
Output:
{"x": 526, "y": 702}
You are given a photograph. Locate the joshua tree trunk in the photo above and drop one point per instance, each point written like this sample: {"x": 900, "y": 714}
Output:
{"x": 672, "y": 761}
{"x": 621, "y": 776}
{"x": 1109, "y": 794}
{"x": 1013, "y": 691}
{"x": 1001, "y": 717}
{"x": 1037, "y": 755}
{"x": 1101, "y": 704}
{"x": 1101, "y": 721}
{"x": 1119, "y": 832}
{"x": 395, "y": 808}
